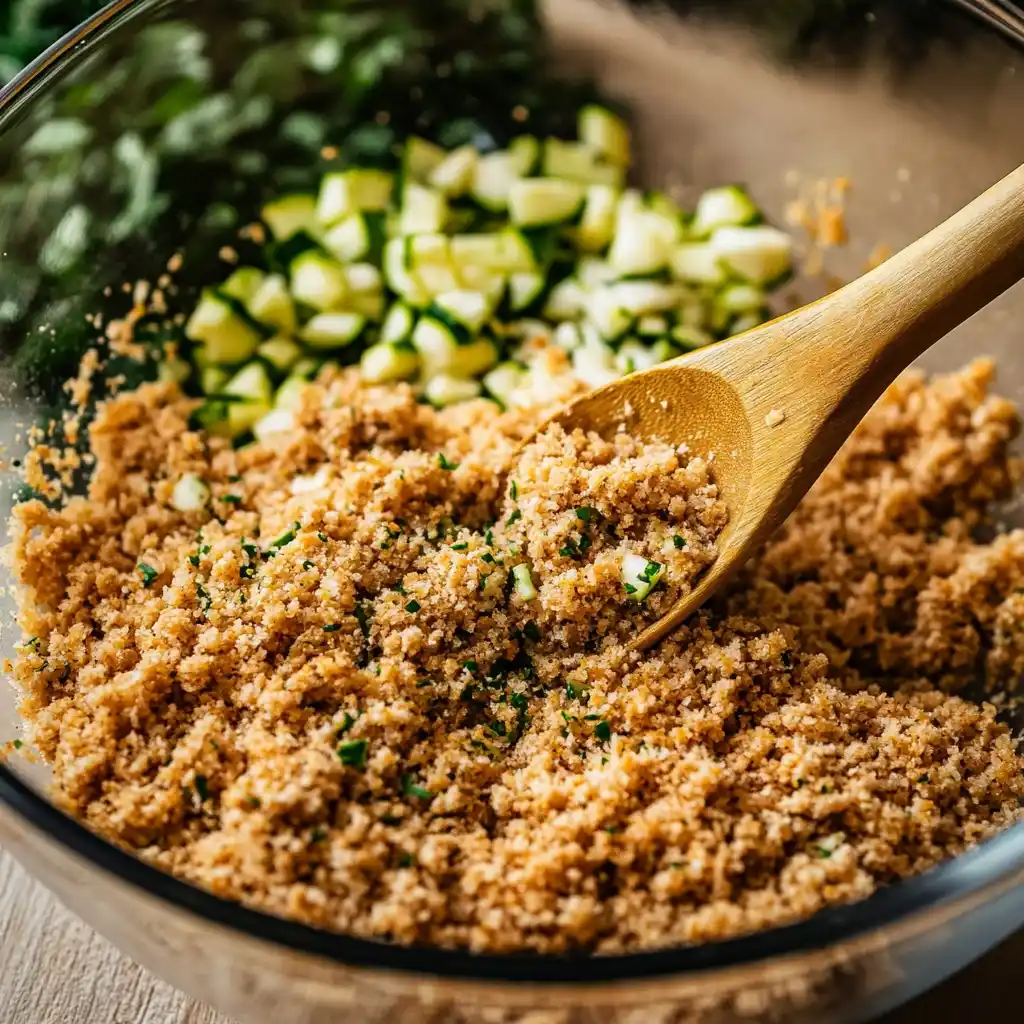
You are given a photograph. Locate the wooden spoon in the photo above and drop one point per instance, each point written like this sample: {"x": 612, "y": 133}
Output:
{"x": 775, "y": 404}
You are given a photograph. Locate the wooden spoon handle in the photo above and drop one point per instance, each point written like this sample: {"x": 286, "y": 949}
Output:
{"x": 862, "y": 336}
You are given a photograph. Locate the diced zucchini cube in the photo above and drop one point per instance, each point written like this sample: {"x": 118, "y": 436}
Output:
{"x": 272, "y": 304}
{"x": 289, "y": 215}
{"x": 318, "y": 281}
{"x": 359, "y": 190}
{"x": 606, "y": 133}
{"x": 385, "y": 362}
{"x": 333, "y": 330}
{"x": 226, "y": 336}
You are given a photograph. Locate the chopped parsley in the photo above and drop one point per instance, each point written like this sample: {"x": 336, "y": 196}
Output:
{"x": 497, "y": 727}
{"x": 470, "y": 666}
{"x": 321, "y": 537}
{"x": 287, "y": 537}
{"x": 346, "y": 724}
{"x": 148, "y": 573}
{"x": 513, "y": 490}
{"x": 194, "y": 559}
{"x": 17, "y": 744}
{"x": 630, "y": 589}
{"x": 252, "y": 550}
{"x": 532, "y": 631}
{"x": 202, "y": 788}
{"x": 445, "y": 463}
{"x": 571, "y": 692}
{"x": 406, "y": 860}
{"x": 410, "y": 788}
{"x": 253, "y": 802}
{"x": 332, "y": 627}
{"x": 586, "y": 513}
{"x": 461, "y": 546}
{"x": 412, "y": 607}
{"x": 363, "y": 618}
{"x": 203, "y": 597}
{"x": 353, "y": 753}
{"x": 679, "y": 542}
{"x": 231, "y": 499}
{"x": 824, "y": 853}
{"x": 603, "y": 731}
{"x": 318, "y": 835}
{"x": 307, "y": 564}
{"x": 515, "y": 517}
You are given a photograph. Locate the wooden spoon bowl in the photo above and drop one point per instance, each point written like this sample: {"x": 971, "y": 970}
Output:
{"x": 772, "y": 407}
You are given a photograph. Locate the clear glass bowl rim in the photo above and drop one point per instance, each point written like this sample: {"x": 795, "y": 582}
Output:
{"x": 959, "y": 879}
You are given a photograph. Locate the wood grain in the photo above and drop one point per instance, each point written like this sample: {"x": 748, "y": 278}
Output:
{"x": 54, "y": 969}
{"x": 774, "y": 405}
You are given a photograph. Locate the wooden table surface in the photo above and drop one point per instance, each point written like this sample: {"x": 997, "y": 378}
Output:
{"x": 56, "y": 970}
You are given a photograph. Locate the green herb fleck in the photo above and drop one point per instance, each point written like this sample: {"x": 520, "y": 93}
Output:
{"x": 331, "y": 628}
{"x": 194, "y": 559}
{"x": 412, "y": 607}
{"x": 307, "y": 564}
{"x": 321, "y": 537}
{"x": 353, "y": 753}
{"x": 679, "y": 542}
{"x": 444, "y": 463}
{"x": 630, "y": 589}
{"x": 202, "y": 788}
{"x": 148, "y": 573}
{"x": 231, "y": 499}
{"x": 513, "y": 489}
{"x": 461, "y": 546}
{"x": 470, "y": 666}
{"x": 363, "y": 618}
{"x": 405, "y": 860}
{"x": 318, "y": 835}
{"x": 347, "y": 722}
{"x": 603, "y": 731}
{"x": 515, "y": 517}
{"x": 497, "y": 727}
{"x": 287, "y": 537}
{"x": 410, "y": 788}
{"x": 532, "y": 631}
{"x": 824, "y": 853}
{"x": 253, "y": 802}
{"x": 571, "y": 692}
{"x": 17, "y": 744}
{"x": 586, "y": 513}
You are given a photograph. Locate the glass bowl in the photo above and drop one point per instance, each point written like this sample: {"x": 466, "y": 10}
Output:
{"x": 147, "y": 129}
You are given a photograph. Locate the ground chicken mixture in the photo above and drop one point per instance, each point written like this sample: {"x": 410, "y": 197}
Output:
{"x": 331, "y": 693}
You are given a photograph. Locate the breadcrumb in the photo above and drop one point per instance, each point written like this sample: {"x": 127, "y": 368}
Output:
{"x": 322, "y": 696}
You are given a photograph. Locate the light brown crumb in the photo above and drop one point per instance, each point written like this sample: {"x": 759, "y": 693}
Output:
{"x": 328, "y": 704}
{"x": 774, "y": 418}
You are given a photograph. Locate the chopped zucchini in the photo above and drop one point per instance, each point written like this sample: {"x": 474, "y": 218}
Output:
{"x": 226, "y": 336}
{"x": 354, "y": 237}
{"x": 538, "y": 202}
{"x": 424, "y": 210}
{"x": 252, "y": 386}
{"x": 639, "y": 576}
{"x": 525, "y": 152}
{"x": 697, "y": 263}
{"x": 689, "y": 339}
{"x": 454, "y": 175}
{"x": 421, "y": 158}
{"x": 289, "y": 215}
{"x": 594, "y": 366}
{"x": 242, "y": 284}
{"x": 272, "y": 304}
{"x": 522, "y": 581}
{"x": 470, "y": 310}
{"x": 597, "y": 224}
{"x": 721, "y": 207}
{"x": 759, "y": 255}
{"x": 281, "y": 353}
{"x": 504, "y": 380}
{"x": 576, "y": 161}
{"x": 440, "y": 350}
{"x": 642, "y": 243}
{"x": 174, "y": 371}
{"x": 190, "y": 494}
{"x": 389, "y": 361}
{"x": 273, "y": 425}
{"x": 500, "y": 252}
{"x": 398, "y": 324}
{"x": 333, "y": 330}
{"x": 493, "y": 178}
{"x": 442, "y": 389}
{"x": 566, "y": 301}
{"x": 359, "y": 190}
{"x": 605, "y": 133}
{"x": 213, "y": 378}
{"x": 289, "y": 394}
{"x": 400, "y": 277}
{"x": 318, "y": 281}
{"x": 525, "y": 290}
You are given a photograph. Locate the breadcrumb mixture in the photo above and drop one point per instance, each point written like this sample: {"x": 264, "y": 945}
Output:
{"x": 325, "y": 696}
